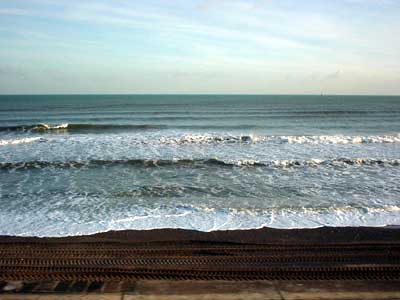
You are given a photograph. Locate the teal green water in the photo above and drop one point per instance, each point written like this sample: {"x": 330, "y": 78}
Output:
{"x": 273, "y": 115}
{"x": 81, "y": 164}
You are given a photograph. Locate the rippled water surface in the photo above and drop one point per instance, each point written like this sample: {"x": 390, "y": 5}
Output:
{"x": 82, "y": 164}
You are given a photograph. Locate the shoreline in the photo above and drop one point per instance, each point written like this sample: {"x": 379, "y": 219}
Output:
{"x": 265, "y": 235}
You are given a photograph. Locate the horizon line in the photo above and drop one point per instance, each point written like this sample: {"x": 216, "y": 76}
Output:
{"x": 195, "y": 94}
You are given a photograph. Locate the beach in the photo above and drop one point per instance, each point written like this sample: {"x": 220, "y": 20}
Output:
{"x": 346, "y": 262}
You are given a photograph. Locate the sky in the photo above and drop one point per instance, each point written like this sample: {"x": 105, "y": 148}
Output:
{"x": 200, "y": 46}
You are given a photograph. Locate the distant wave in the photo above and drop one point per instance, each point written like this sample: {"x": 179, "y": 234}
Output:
{"x": 65, "y": 127}
{"x": 202, "y": 162}
{"x": 20, "y": 141}
{"x": 35, "y": 127}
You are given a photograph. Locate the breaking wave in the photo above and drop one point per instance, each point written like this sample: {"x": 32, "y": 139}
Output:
{"x": 34, "y": 128}
{"x": 202, "y": 162}
{"x": 301, "y": 139}
{"x": 204, "y": 138}
{"x": 66, "y": 127}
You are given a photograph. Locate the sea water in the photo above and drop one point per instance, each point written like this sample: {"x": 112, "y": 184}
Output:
{"x": 81, "y": 164}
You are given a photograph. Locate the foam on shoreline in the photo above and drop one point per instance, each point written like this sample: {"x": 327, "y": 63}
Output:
{"x": 198, "y": 218}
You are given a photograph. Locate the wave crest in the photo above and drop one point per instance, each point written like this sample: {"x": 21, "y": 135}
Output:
{"x": 35, "y": 127}
{"x": 205, "y": 138}
{"x": 301, "y": 139}
{"x": 66, "y": 127}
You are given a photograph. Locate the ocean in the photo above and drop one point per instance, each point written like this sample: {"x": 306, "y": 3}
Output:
{"x": 80, "y": 164}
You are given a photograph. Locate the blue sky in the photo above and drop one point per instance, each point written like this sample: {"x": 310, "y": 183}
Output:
{"x": 203, "y": 46}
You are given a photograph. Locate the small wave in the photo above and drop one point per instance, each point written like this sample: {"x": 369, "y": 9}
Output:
{"x": 66, "y": 127}
{"x": 48, "y": 127}
{"x": 113, "y": 126}
{"x": 20, "y": 141}
{"x": 302, "y": 139}
{"x": 202, "y": 162}
{"x": 35, "y": 128}
{"x": 334, "y": 162}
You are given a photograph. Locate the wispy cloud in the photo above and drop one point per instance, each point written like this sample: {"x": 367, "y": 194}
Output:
{"x": 233, "y": 39}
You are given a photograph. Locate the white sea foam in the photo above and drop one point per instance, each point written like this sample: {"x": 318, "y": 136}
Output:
{"x": 301, "y": 139}
{"x": 340, "y": 139}
{"x": 61, "y": 126}
{"x": 334, "y": 162}
{"x": 20, "y": 141}
{"x": 196, "y": 218}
